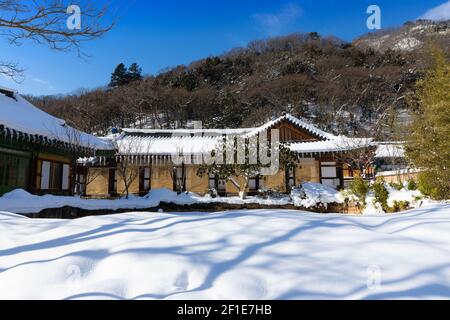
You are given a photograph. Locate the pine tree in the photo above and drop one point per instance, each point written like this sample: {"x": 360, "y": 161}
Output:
{"x": 134, "y": 72}
{"x": 429, "y": 140}
{"x": 119, "y": 77}
{"x": 231, "y": 113}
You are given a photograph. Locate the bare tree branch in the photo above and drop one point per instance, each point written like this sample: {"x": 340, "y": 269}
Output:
{"x": 11, "y": 71}
{"x": 45, "y": 22}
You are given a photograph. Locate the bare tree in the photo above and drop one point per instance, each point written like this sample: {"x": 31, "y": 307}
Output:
{"x": 11, "y": 70}
{"x": 240, "y": 159}
{"x": 89, "y": 175}
{"x": 132, "y": 154}
{"x": 128, "y": 172}
{"x": 360, "y": 153}
{"x": 179, "y": 180}
{"x": 45, "y": 22}
{"x": 357, "y": 153}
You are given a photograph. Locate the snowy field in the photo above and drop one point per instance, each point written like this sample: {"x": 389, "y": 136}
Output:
{"x": 20, "y": 201}
{"x": 260, "y": 254}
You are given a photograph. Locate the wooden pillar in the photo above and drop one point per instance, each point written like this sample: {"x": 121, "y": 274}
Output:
{"x": 340, "y": 173}
{"x": 32, "y": 174}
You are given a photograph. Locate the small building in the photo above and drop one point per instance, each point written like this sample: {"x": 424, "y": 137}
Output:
{"x": 390, "y": 156}
{"x": 38, "y": 152}
{"x": 150, "y": 152}
{"x": 391, "y": 164}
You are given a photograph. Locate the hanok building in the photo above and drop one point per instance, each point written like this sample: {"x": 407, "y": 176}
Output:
{"x": 390, "y": 156}
{"x": 391, "y": 163}
{"x": 38, "y": 152}
{"x": 149, "y": 153}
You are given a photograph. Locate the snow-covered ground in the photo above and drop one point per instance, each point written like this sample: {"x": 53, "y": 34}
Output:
{"x": 20, "y": 201}
{"x": 259, "y": 254}
{"x": 308, "y": 196}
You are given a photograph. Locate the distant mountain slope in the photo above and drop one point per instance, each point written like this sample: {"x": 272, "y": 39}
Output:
{"x": 409, "y": 37}
{"x": 344, "y": 88}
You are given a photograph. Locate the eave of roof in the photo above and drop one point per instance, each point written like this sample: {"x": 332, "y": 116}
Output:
{"x": 338, "y": 144}
{"x": 302, "y": 124}
{"x": 313, "y": 130}
{"x": 198, "y": 132}
{"x": 394, "y": 149}
{"x": 154, "y": 145}
{"x": 19, "y": 119}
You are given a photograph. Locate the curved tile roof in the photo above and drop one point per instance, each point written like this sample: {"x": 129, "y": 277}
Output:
{"x": 19, "y": 117}
{"x": 201, "y": 141}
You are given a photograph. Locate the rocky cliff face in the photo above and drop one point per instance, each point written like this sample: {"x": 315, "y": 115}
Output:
{"x": 412, "y": 36}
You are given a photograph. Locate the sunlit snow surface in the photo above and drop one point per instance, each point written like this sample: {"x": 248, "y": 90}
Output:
{"x": 260, "y": 254}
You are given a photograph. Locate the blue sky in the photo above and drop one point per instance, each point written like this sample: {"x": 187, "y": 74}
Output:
{"x": 162, "y": 33}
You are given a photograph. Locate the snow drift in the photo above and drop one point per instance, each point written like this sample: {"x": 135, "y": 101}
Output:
{"x": 261, "y": 254}
{"x": 20, "y": 201}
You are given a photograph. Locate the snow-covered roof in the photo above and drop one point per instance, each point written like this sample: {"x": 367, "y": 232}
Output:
{"x": 308, "y": 127}
{"x": 17, "y": 115}
{"x": 390, "y": 150}
{"x": 163, "y": 145}
{"x": 159, "y": 142}
{"x": 300, "y": 123}
{"x": 337, "y": 144}
{"x": 405, "y": 171}
{"x": 144, "y": 145}
{"x": 188, "y": 131}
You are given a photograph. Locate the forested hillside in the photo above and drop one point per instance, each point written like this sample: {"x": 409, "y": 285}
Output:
{"x": 342, "y": 87}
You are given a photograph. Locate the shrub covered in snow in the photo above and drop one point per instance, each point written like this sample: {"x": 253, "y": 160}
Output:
{"x": 308, "y": 196}
{"x": 381, "y": 194}
{"x": 372, "y": 205}
{"x": 403, "y": 198}
{"x": 412, "y": 185}
{"x": 359, "y": 189}
{"x": 382, "y": 197}
{"x": 311, "y": 195}
{"x": 399, "y": 206}
{"x": 397, "y": 186}
{"x": 270, "y": 194}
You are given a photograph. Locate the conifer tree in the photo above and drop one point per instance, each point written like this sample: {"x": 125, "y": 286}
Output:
{"x": 428, "y": 146}
{"x": 134, "y": 72}
{"x": 119, "y": 77}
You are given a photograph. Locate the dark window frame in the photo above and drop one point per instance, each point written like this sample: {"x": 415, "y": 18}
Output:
{"x": 143, "y": 179}
{"x": 21, "y": 176}
{"x": 257, "y": 184}
{"x": 82, "y": 172}
{"x": 112, "y": 182}
{"x": 290, "y": 178}
{"x": 339, "y": 172}
{"x": 216, "y": 181}
{"x": 176, "y": 185}
{"x": 60, "y": 180}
